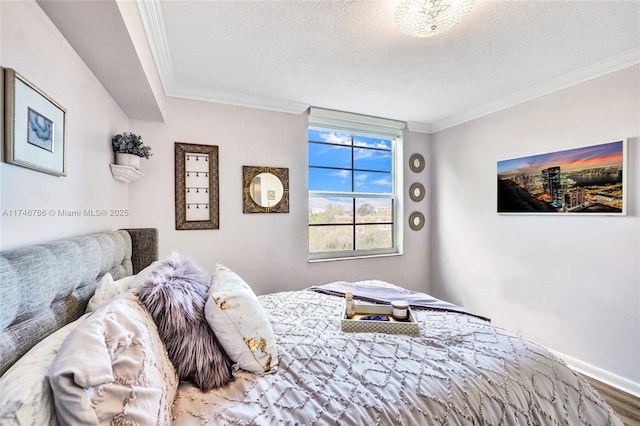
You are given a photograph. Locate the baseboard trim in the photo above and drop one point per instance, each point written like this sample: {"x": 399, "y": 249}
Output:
{"x": 601, "y": 375}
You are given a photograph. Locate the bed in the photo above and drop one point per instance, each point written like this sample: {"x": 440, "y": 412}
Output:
{"x": 458, "y": 370}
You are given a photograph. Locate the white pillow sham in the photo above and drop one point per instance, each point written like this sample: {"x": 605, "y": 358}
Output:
{"x": 108, "y": 289}
{"x": 25, "y": 394}
{"x": 240, "y": 323}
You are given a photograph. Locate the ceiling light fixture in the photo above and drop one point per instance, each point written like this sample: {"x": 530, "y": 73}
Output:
{"x": 427, "y": 18}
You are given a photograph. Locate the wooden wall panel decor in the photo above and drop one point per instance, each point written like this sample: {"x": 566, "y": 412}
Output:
{"x": 196, "y": 186}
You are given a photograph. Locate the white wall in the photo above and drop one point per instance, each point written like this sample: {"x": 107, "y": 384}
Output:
{"x": 33, "y": 46}
{"x": 268, "y": 250}
{"x": 571, "y": 283}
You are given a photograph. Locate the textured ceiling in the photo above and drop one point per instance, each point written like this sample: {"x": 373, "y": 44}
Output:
{"x": 348, "y": 55}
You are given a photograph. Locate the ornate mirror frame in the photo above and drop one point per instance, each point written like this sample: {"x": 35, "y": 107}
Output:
{"x": 197, "y": 192}
{"x": 248, "y": 203}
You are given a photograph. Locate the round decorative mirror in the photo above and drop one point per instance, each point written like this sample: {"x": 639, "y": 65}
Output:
{"x": 416, "y": 191}
{"x": 416, "y": 163}
{"x": 266, "y": 190}
{"x": 416, "y": 221}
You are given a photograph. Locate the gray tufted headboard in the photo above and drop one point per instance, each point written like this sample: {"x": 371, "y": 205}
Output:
{"x": 44, "y": 287}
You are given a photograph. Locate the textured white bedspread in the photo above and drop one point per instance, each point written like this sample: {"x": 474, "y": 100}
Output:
{"x": 460, "y": 370}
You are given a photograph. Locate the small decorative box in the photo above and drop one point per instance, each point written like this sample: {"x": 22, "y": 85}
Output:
{"x": 393, "y": 326}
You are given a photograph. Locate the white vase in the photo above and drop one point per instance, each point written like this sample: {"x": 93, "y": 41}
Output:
{"x": 131, "y": 160}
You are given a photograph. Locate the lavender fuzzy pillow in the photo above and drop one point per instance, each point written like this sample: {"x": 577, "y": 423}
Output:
{"x": 175, "y": 293}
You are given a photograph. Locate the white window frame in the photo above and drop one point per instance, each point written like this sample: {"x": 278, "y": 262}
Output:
{"x": 323, "y": 119}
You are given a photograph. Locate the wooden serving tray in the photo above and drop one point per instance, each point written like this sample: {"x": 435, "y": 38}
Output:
{"x": 393, "y": 326}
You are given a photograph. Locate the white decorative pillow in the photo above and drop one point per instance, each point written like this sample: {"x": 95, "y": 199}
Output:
{"x": 25, "y": 394}
{"x": 114, "y": 369}
{"x": 108, "y": 289}
{"x": 240, "y": 322}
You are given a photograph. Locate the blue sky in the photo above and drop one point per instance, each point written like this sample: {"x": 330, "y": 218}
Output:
{"x": 608, "y": 154}
{"x": 376, "y": 164}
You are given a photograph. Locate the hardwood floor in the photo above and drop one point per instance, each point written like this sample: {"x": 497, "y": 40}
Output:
{"x": 626, "y": 406}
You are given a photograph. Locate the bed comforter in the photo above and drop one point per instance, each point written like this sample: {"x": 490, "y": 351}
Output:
{"x": 460, "y": 370}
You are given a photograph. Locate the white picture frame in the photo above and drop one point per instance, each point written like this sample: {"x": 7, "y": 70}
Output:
{"x": 35, "y": 127}
{"x": 585, "y": 180}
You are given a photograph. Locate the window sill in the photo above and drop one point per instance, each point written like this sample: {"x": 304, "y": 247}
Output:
{"x": 354, "y": 257}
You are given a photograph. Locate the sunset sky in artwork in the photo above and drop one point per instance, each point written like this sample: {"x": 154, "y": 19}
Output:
{"x": 608, "y": 154}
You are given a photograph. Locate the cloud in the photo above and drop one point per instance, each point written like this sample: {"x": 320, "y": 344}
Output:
{"x": 364, "y": 154}
{"x": 360, "y": 179}
{"x": 336, "y": 138}
{"x": 318, "y": 204}
{"x": 372, "y": 142}
{"x": 341, "y": 173}
{"x": 382, "y": 182}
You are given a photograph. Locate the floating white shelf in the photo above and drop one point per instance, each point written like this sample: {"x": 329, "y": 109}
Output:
{"x": 126, "y": 174}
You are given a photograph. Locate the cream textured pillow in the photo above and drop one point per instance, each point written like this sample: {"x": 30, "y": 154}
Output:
{"x": 114, "y": 369}
{"x": 240, "y": 322}
{"x": 25, "y": 395}
{"x": 108, "y": 289}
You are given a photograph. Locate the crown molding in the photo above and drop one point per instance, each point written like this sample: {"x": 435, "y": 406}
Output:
{"x": 153, "y": 23}
{"x": 237, "y": 99}
{"x": 615, "y": 63}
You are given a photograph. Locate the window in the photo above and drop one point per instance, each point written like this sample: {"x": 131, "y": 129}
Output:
{"x": 354, "y": 205}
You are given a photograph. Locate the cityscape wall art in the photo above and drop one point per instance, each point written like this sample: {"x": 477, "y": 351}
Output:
{"x": 587, "y": 180}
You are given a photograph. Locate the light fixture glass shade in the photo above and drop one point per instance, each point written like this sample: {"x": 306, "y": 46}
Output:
{"x": 427, "y": 18}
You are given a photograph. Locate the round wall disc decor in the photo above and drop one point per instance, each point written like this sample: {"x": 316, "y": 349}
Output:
{"x": 416, "y": 221}
{"x": 416, "y": 191}
{"x": 416, "y": 163}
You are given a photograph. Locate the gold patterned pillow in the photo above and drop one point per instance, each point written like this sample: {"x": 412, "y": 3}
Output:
{"x": 240, "y": 322}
